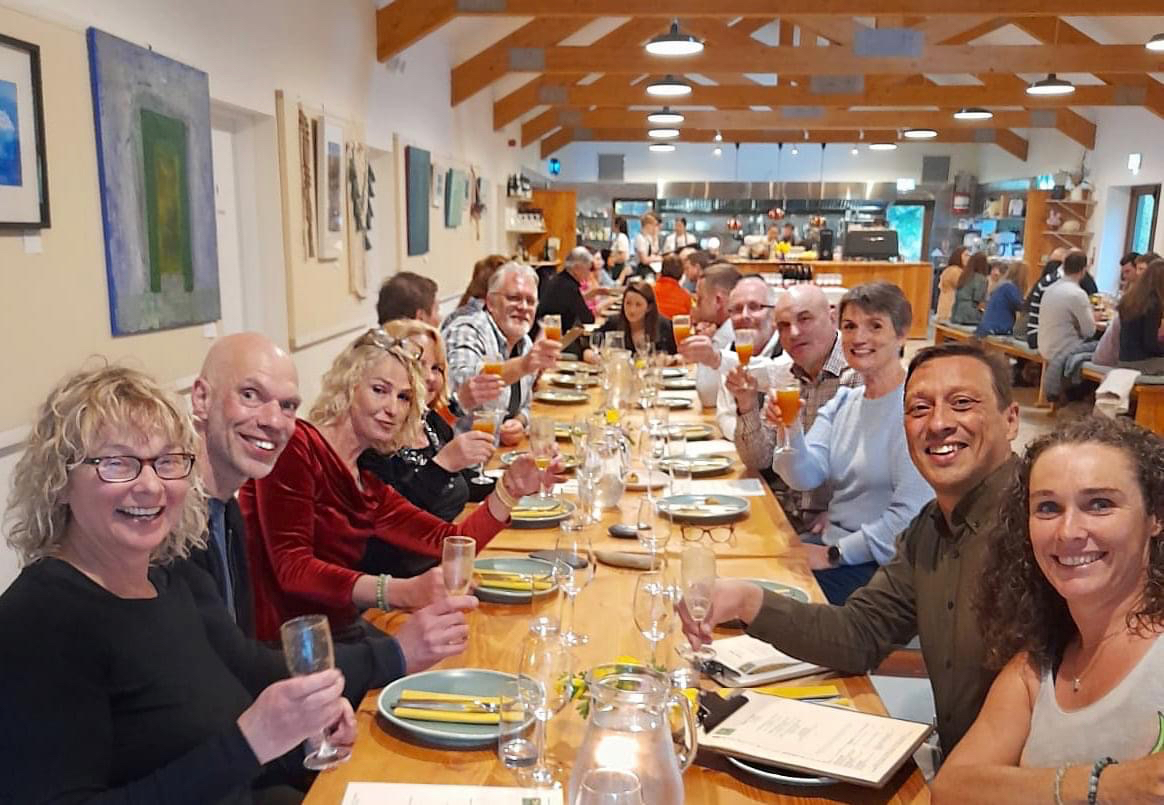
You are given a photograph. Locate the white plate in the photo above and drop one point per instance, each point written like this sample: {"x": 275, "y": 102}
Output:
{"x": 779, "y": 775}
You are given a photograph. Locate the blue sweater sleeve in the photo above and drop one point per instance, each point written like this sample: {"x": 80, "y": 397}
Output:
{"x": 806, "y": 465}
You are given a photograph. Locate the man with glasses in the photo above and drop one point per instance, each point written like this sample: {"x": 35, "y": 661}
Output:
{"x": 713, "y": 329}
{"x": 500, "y": 333}
{"x": 750, "y": 307}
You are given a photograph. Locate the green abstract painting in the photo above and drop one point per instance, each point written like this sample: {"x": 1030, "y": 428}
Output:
{"x": 167, "y": 189}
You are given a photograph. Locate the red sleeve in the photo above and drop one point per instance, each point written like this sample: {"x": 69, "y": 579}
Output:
{"x": 402, "y": 524}
{"x": 284, "y": 504}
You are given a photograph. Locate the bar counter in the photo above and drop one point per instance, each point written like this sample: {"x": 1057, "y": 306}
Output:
{"x": 915, "y": 279}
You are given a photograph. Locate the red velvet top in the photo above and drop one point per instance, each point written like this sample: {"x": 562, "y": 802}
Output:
{"x": 308, "y": 524}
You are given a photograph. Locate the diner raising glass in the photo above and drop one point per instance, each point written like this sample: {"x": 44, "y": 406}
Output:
{"x": 610, "y": 787}
{"x": 572, "y": 549}
{"x": 486, "y": 420}
{"x": 543, "y": 445}
{"x": 788, "y": 403}
{"x": 651, "y": 530}
{"x": 652, "y": 609}
{"x": 308, "y": 649}
{"x": 697, "y": 582}
{"x": 457, "y": 556}
{"x": 545, "y": 668}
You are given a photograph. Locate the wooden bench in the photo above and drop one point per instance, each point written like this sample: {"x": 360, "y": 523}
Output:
{"x": 1148, "y": 394}
{"x": 1012, "y": 347}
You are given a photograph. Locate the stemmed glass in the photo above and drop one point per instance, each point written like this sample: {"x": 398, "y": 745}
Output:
{"x": 745, "y": 345}
{"x": 610, "y": 787}
{"x": 681, "y": 326}
{"x": 788, "y": 402}
{"x": 457, "y": 556}
{"x": 552, "y": 326}
{"x": 654, "y": 452}
{"x": 543, "y": 445}
{"x": 308, "y": 649}
{"x": 697, "y": 577}
{"x": 544, "y": 684}
{"x": 650, "y": 529}
{"x": 573, "y": 548}
{"x": 486, "y": 420}
{"x": 652, "y": 607}
{"x": 517, "y": 729}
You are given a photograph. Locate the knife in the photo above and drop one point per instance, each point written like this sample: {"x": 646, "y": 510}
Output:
{"x": 475, "y": 706}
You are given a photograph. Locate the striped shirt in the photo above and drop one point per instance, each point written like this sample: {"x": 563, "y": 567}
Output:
{"x": 469, "y": 339}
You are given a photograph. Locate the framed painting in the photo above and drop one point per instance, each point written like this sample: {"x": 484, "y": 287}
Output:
{"x": 23, "y": 167}
{"x": 152, "y": 118}
{"x": 331, "y": 180}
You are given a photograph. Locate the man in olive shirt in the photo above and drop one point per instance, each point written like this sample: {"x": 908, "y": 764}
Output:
{"x": 960, "y": 418}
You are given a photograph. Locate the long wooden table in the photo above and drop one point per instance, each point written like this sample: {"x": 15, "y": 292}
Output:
{"x": 764, "y": 547}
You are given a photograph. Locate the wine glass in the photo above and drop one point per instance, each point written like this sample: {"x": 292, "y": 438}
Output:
{"x": 745, "y": 345}
{"x": 652, "y": 608}
{"x": 680, "y": 472}
{"x": 308, "y": 649}
{"x": 681, "y": 326}
{"x": 543, "y": 445}
{"x": 654, "y": 453}
{"x": 457, "y": 555}
{"x": 615, "y": 340}
{"x": 697, "y": 579}
{"x": 610, "y": 787}
{"x": 573, "y": 548}
{"x": 650, "y": 529}
{"x": 486, "y": 420}
{"x": 788, "y": 401}
{"x": 517, "y": 745}
{"x": 544, "y": 669}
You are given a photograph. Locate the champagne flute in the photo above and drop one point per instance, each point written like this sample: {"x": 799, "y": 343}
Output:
{"x": 308, "y": 649}
{"x": 788, "y": 401}
{"x": 651, "y": 531}
{"x": 610, "y": 787}
{"x": 697, "y": 577}
{"x": 542, "y": 444}
{"x": 655, "y": 447}
{"x": 544, "y": 671}
{"x": 486, "y": 420}
{"x": 652, "y": 608}
{"x": 745, "y": 345}
{"x": 457, "y": 555}
{"x": 573, "y": 548}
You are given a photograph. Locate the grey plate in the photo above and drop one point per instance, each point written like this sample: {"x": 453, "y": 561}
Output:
{"x": 699, "y": 509}
{"x": 703, "y": 466}
{"x": 555, "y": 397}
{"x": 568, "y": 381}
{"x": 541, "y": 521}
{"x": 505, "y": 564}
{"x": 673, "y": 371}
{"x": 779, "y": 775}
{"x": 569, "y": 460}
{"x": 658, "y": 480}
{"x": 676, "y": 402}
{"x": 693, "y": 431}
{"x": 464, "y": 681}
{"x": 576, "y": 366}
{"x": 679, "y": 384}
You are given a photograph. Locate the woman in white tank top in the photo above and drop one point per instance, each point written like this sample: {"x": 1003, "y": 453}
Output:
{"x": 1073, "y": 597}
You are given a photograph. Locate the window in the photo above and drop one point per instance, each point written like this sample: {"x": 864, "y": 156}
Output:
{"x": 1142, "y": 214}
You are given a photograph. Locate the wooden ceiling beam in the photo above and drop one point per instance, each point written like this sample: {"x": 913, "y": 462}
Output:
{"x": 1070, "y": 123}
{"x": 556, "y": 141}
{"x": 406, "y": 22}
{"x": 837, "y": 30}
{"x": 1056, "y": 31}
{"x": 476, "y": 73}
{"x": 845, "y": 8}
{"x": 958, "y": 30}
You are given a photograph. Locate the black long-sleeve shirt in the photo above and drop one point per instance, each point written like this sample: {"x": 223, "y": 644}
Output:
{"x": 112, "y": 700}
{"x": 1139, "y": 339}
{"x": 563, "y": 295}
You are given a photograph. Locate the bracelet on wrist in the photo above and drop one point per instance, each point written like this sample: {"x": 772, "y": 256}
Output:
{"x": 381, "y": 597}
{"x": 504, "y": 496}
{"x": 1057, "y": 789}
{"x": 1093, "y": 781}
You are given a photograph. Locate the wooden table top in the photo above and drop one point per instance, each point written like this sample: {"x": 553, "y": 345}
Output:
{"x": 763, "y": 547}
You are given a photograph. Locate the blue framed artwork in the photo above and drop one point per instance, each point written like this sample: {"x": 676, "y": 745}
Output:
{"x": 418, "y": 177}
{"x": 152, "y": 116}
{"x": 23, "y": 167}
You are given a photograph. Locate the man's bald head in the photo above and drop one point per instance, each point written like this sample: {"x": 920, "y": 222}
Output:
{"x": 807, "y": 327}
{"x": 244, "y": 402}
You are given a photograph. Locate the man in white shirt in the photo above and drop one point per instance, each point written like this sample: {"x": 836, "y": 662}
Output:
{"x": 680, "y": 237}
{"x": 645, "y": 245}
{"x": 713, "y": 329}
{"x": 750, "y": 307}
{"x": 1066, "y": 320}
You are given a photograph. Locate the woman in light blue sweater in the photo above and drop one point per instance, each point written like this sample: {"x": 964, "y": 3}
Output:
{"x": 857, "y": 445}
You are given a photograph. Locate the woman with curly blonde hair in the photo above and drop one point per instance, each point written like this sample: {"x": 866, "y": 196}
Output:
{"x": 1072, "y": 601}
{"x": 309, "y": 521}
{"x": 164, "y": 694}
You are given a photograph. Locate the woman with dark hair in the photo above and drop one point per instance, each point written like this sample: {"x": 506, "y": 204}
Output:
{"x": 970, "y": 294}
{"x": 1071, "y": 605}
{"x": 473, "y": 299}
{"x": 857, "y": 444}
{"x": 1140, "y": 312}
{"x": 948, "y": 281}
{"x": 1004, "y": 302}
{"x": 640, "y": 322}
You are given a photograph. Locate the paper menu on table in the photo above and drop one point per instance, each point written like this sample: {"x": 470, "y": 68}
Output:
{"x": 709, "y": 447}
{"x": 422, "y": 794}
{"x": 744, "y": 487}
{"x": 844, "y": 744}
{"x": 757, "y": 662}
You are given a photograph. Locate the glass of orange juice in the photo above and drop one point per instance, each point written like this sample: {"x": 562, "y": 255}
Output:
{"x": 788, "y": 401}
{"x": 486, "y": 420}
{"x": 542, "y": 444}
{"x": 552, "y": 326}
{"x": 745, "y": 345}
{"x": 681, "y": 325}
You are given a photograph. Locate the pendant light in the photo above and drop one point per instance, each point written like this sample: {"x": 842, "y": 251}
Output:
{"x": 665, "y": 117}
{"x": 973, "y": 113}
{"x": 920, "y": 134}
{"x": 663, "y": 134}
{"x": 661, "y": 148}
{"x": 1156, "y": 43}
{"x": 668, "y": 87}
{"x": 882, "y": 146}
{"x": 1050, "y": 86}
{"x": 675, "y": 43}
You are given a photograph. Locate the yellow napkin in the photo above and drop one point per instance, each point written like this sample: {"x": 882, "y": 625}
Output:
{"x": 450, "y": 716}
{"x": 519, "y": 586}
{"x": 523, "y": 513}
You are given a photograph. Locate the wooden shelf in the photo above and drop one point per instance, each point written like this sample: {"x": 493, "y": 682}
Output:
{"x": 1054, "y": 234}
{"x": 1066, "y": 202}
{"x": 527, "y": 231}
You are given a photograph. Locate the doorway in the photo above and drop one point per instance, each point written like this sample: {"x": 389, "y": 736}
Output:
{"x": 1143, "y": 212}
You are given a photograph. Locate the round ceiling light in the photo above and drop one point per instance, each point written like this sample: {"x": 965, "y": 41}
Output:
{"x": 920, "y": 134}
{"x": 717, "y": 152}
{"x": 1051, "y": 85}
{"x": 665, "y": 117}
{"x": 661, "y": 148}
{"x": 663, "y": 134}
{"x": 668, "y": 87}
{"x": 973, "y": 113}
{"x": 1155, "y": 43}
{"x": 882, "y": 146}
{"x": 674, "y": 43}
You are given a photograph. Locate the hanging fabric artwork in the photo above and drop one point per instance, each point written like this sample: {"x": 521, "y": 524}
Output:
{"x": 360, "y": 217}
{"x": 307, "y": 186}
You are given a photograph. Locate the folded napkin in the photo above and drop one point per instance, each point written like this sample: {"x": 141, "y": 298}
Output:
{"x": 518, "y": 585}
{"x": 450, "y": 716}
{"x": 530, "y": 512}
{"x": 1115, "y": 390}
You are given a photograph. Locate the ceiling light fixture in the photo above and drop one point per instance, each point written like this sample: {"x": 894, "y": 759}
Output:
{"x": 973, "y": 113}
{"x": 717, "y": 152}
{"x": 882, "y": 146}
{"x": 1155, "y": 43}
{"x": 674, "y": 43}
{"x": 854, "y": 152}
{"x": 718, "y": 137}
{"x": 663, "y": 134}
{"x": 668, "y": 87}
{"x": 795, "y": 150}
{"x": 1051, "y": 85}
{"x": 661, "y": 148}
{"x": 665, "y": 117}
{"x": 920, "y": 134}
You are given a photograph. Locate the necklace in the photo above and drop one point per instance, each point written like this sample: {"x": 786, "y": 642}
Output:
{"x": 1078, "y": 678}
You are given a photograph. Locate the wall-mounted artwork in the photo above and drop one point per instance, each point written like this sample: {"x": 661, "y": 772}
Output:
{"x": 330, "y": 178}
{"x": 152, "y": 117}
{"x": 418, "y": 177}
{"x": 456, "y": 187}
{"x": 23, "y": 173}
{"x": 438, "y": 186}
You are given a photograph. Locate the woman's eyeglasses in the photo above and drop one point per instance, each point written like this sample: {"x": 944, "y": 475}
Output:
{"x": 717, "y": 534}
{"x": 378, "y": 338}
{"x": 123, "y": 469}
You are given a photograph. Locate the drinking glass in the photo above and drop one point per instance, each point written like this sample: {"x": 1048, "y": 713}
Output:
{"x": 486, "y": 420}
{"x": 654, "y": 452}
{"x": 493, "y": 364}
{"x": 615, "y": 340}
{"x": 457, "y": 555}
{"x": 517, "y": 745}
{"x": 652, "y": 608}
{"x": 610, "y": 787}
{"x": 573, "y": 547}
{"x": 697, "y": 579}
{"x": 651, "y": 530}
{"x": 681, "y": 325}
{"x": 788, "y": 401}
{"x": 543, "y": 445}
{"x": 680, "y": 471}
{"x": 308, "y": 649}
{"x": 745, "y": 345}
{"x": 545, "y": 669}
{"x": 552, "y": 326}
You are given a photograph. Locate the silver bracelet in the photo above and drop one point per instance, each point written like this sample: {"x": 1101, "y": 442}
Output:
{"x": 1059, "y": 772}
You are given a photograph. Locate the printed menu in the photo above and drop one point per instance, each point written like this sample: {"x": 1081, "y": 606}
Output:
{"x": 420, "y": 794}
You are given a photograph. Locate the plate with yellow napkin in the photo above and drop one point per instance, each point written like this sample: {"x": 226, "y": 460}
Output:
{"x": 704, "y": 509}
{"x": 701, "y": 466}
{"x": 508, "y": 579}
{"x": 534, "y": 512}
{"x": 457, "y": 708}
{"x": 569, "y": 460}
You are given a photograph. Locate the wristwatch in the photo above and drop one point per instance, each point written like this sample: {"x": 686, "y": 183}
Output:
{"x": 834, "y": 555}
